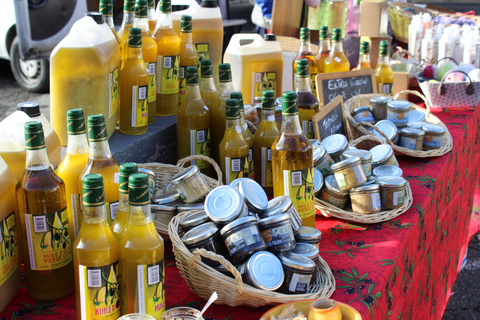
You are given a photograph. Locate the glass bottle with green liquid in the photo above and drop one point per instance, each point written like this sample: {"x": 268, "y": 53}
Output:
{"x": 247, "y": 135}
{"x": 336, "y": 61}
{"x": 119, "y": 224}
{"x": 307, "y": 102}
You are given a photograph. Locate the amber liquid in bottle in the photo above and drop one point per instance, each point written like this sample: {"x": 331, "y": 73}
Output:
{"x": 305, "y": 52}
{"x": 336, "y": 61}
{"x": 307, "y": 102}
{"x": 188, "y": 56}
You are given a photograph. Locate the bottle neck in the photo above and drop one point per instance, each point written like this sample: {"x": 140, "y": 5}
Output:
{"x": 193, "y": 92}
{"x": 302, "y": 84}
{"x": 291, "y": 124}
{"x": 77, "y": 144}
{"x": 109, "y": 21}
{"x": 186, "y": 37}
{"x": 234, "y": 125}
{"x": 226, "y": 88}
{"x": 242, "y": 117}
{"x": 151, "y": 14}
{"x": 267, "y": 114}
{"x": 142, "y": 23}
{"x": 164, "y": 20}
{"x": 207, "y": 84}
{"x": 97, "y": 215}
{"x": 324, "y": 46}
{"x": 123, "y": 200}
{"x": 364, "y": 58}
{"x": 135, "y": 53}
{"x": 304, "y": 47}
{"x": 140, "y": 215}
{"x": 128, "y": 18}
{"x": 37, "y": 159}
{"x": 337, "y": 46}
{"x": 99, "y": 150}
{"x": 383, "y": 60}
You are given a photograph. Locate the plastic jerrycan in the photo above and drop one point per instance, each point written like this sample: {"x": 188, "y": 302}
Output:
{"x": 257, "y": 64}
{"x": 207, "y": 29}
{"x": 84, "y": 71}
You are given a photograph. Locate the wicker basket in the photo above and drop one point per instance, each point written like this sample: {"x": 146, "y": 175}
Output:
{"x": 203, "y": 280}
{"x": 356, "y": 130}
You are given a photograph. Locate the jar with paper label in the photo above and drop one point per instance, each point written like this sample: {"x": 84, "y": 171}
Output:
{"x": 349, "y": 173}
{"x": 362, "y": 114}
{"x": 309, "y": 235}
{"x": 387, "y": 170}
{"x": 224, "y": 204}
{"x": 379, "y": 106}
{"x": 188, "y": 56}
{"x": 190, "y": 184}
{"x": 389, "y": 129}
{"x": 205, "y": 236}
{"x": 280, "y": 205}
{"x": 247, "y": 135}
{"x": 263, "y": 270}
{"x": 383, "y": 154}
{"x": 412, "y": 138}
{"x": 398, "y": 112}
{"x": 392, "y": 191}
{"x": 310, "y": 251}
{"x": 365, "y": 158}
{"x": 366, "y": 199}
{"x": 322, "y": 160}
{"x": 307, "y": 102}
{"x": 277, "y": 232}
{"x": 298, "y": 272}
{"x": 335, "y": 145}
{"x": 433, "y": 136}
{"x": 192, "y": 220}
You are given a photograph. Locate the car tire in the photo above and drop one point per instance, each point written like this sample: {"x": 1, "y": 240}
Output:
{"x": 31, "y": 75}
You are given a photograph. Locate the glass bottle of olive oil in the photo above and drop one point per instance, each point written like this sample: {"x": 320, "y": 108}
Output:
{"x": 208, "y": 91}
{"x": 168, "y": 56}
{"x": 188, "y": 55}
{"x": 127, "y": 23}
{"x": 134, "y": 88}
{"x": 219, "y": 109}
{"x": 247, "y": 135}
{"x": 142, "y": 261}
{"x": 323, "y": 48}
{"x": 364, "y": 56}
{"x": 106, "y": 9}
{"x": 265, "y": 135}
{"x": 95, "y": 254}
{"x": 305, "y": 52}
{"x": 292, "y": 162}
{"x": 43, "y": 222}
{"x": 152, "y": 22}
{"x": 336, "y": 61}
{"x": 383, "y": 71}
{"x": 149, "y": 53}
{"x": 307, "y": 102}
{"x": 193, "y": 124}
{"x": 119, "y": 225}
{"x": 233, "y": 149}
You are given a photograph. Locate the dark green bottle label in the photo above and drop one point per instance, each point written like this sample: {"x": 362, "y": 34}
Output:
{"x": 139, "y": 190}
{"x": 151, "y": 4}
{"x": 75, "y": 122}
{"x": 206, "y": 68}
{"x": 186, "y": 24}
{"x": 97, "y": 130}
{"x": 364, "y": 47}
{"x": 106, "y": 8}
{"x": 165, "y": 6}
{"x": 289, "y": 103}
{"x": 191, "y": 75}
{"x": 233, "y": 109}
{"x": 383, "y": 48}
{"x": 135, "y": 38}
{"x": 93, "y": 195}
{"x": 129, "y": 6}
{"x": 126, "y": 169}
{"x": 141, "y": 7}
{"x": 268, "y": 100}
{"x": 302, "y": 70}
{"x": 337, "y": 35}
{"x": 225, "y": 72}
{"x": 34, "y": 137}
{"x": 304, "y": 34}
{"x": 323, "y": 35}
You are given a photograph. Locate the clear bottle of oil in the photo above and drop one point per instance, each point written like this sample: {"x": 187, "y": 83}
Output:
{"x": 364, "y": 56}
{"x": 247, "y": 135}
{"x": 127, "y": 23}
{"x": 188, "y": 55}
{"x": 305, "y": 52}
{"x": 307, "y": 102}
{"x": 152, "y": 21}
{"x": 323, "y": 48}
{"x": 336, "y": 61}
{"x": 106, "y": 9}
{"x": 208, "y": 91}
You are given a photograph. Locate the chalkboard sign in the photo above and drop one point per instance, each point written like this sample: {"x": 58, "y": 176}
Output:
{"x": 330, "y": 120}
{"x": 346, "y": 84}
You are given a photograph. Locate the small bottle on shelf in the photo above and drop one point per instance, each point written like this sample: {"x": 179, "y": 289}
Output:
{"x": 364, "y": 56}
{"x": 383, "y": 71}
{"x": 323, "y": 48}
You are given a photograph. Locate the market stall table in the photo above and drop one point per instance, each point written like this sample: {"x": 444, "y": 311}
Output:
{"x": 404, "y": 268}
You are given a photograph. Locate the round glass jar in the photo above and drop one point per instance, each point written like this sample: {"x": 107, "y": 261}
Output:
{"x": 224, "y": 204}
{"x": 309, "y": 251}
{"x": 335, "y": 145}
{"x": 389, "y": 129}
{"x": 317, "y": 181}
{"x": 298, "y": 272}
{"x": 242, "y": 238}
{"x": 309, "y": 235}
{"x": 263, "y": 270}
{"x": 205, "y": 236}
{"x": 411, "y": 138}
{"x": 387, "y": 170}
{"x": 193, "y": 219}
{"x": 190, "y": 184}
{"x": 167, "y": 197}
{"x": 322, "y": 160}
{"x": 253, "y": 194}
{"x": 365, "y": 158}
{"x": 383, "y": 154}
{"x": 332, "y": 194}
{"x": 416, "y": 116}
{"x": 184, "y": 313}
{"x": 277, "y": 232}
{"x": 366, "y": 199}
{"x": 415, "y": 125}
{"x": 433, "y": 136}
{"x": 398, "y": 111}
{"x": 349, "y": 173}
{"x": 392, "y": 191}
{"x": 362, "y": 114}
{"x": 283, "y": 204}
{"x": 151, "y": 180}
{"x": 379, "y": 107}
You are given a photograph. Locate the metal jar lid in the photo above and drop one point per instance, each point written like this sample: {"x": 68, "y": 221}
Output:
{"x": 277, "y": 205}
{"x": 415, "y": 125}
{"x": 194, "y": 219}
{"x": 199, "y": 233}
{"x": 224, "y": 204}
{"x": 332, "y": 185}
{"x": 433, "y": 128}
{"x": 168, "y": 207}
{"x": 388, "y": 128}
{"x": 399, "y": 105}
{"x": 318, "y": 153}
{"x": 416, "y": 116}
{"x": 391, "y": 181}
{"x": 364, "y": 155}
{"x": 387, "y": 170}
{"x": 381, "y": 153}
{"x": 334, "y": 143}
{"x": 379, "y": 100}
{"x": 184, "y": 175}
{"x": 417, "y": 133}
{"x": 296, "y": 261}
{"x": 369, "y": 181}
{"x": 191, "y": 206}
{"x": 361, "y": 109}
{"x": 346, "y": 163}
{"x": 167, "y": 197}
{"x": 317, "y": 180}
{"x": 265, "y": 271}
{"x": 307, "y": 250}
{"x": 315, "y": 143}
{"x": 238, "y": 222}
{"x": 365, "y": 188}
{"x": 309, "y": 234}
{"x": 237, "y": 181}
{"x": 274, "y": 219}
{"x": 254, "y": 195}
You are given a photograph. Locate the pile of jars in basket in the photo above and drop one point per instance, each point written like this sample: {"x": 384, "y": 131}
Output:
{"x": 403, "y": 125}
{"x": 264, "y": 240}
{"x": 370, "y": 180}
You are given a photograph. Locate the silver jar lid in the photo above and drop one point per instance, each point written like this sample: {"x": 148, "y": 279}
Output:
{"x": 254, "y": 195}
{"x": 265, "y": 271}
{"x": 331, "y": 184}
{"x": 185, "y": 174}
{"x": 399, "y": 105}
{"x": 277, "y": 205}
{"x": 296, "y": 261}
{"x": 369, "y": 181}
{"x": 361, "y": 109}
{"x": 365, "y": 188}
{"x": 381, "y": 153}
{"x": 334, "y": 143}
{"x": 307, "y": 250}
{"x": 388, "y": 128}
{"x": 391, "y": 181}
{"x": 169, "y": 188}
{"x": 274, "y": 219}
{"x": 194, "y": 219}
{"x": 237, "y": 181}
{"x": 415, "y": 125}
{"x": 191, "y": 206}
{"x": 346, "y": 163}
{"x": 167, "y": 197}
{"x": 309, "y": 234}
{"x": 433, "y": 128}
{"x": 199, "y": 233}
{"x": 364, "y": 155}
{"x": 414, "y": 132}
{"x": 238, "y": 222}
{"x": 379, "y": 100}
{"x": 387, "y": 170}
{"x": 317, "y": 180}
{"x": 223, "y": 204}
{"x": 416, "y": 116}
{"x": 318, "y": 153}
{"x": 315, "y": 143}
{"x": 168, "y": 207}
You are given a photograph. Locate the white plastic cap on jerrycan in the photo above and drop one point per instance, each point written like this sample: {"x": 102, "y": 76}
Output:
{"x": 257, "y": 65}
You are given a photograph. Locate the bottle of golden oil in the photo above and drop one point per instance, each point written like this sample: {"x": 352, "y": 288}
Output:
{"x": 247, "y": 135}
{"x": 188, "y": 55}
{"x": 307, "y": 102}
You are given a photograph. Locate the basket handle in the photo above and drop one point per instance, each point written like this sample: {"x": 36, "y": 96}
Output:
{"x": 374, "y": 127}
{"x": 418, "y": 94}
{"x": 468, "y": 89}
{"x": 368, "y": 137}
{"x": 181, "y": 163}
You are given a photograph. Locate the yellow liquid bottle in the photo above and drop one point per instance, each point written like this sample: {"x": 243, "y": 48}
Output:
{"x": 72, "y": 166}
{"x": 152, "y": 22}
{"x": 106, "y": 9}
{"x": 142, "y": 261}
{"x": 323, "y": 48}
{"x": 247, "y": 135}
{"x": 149, "y": 53}
{"x": 292, "y": 162}
{"x": 95, "y": 255}
{"x": 305, "y": 52}
{"x": 219, "y": 110}
{"x": 127, "y": 23}
{"x": 100, "y": 161}
{"x": 336, "y": 61}
{"x": 265, "y": 135}
{"x": 383, "y": 71}
{"x": 193, "y": 124}
{"x": 307, "y": 103}
{"x": 188, "y": 56}
{"x": 233, "y": 149}
{"x": 208, "y": 91}
{"x": 364, "y": 56}
{"x": 119, "y": 225}
{"x": 168, "y": 56}
{"x": 43, "y": 223}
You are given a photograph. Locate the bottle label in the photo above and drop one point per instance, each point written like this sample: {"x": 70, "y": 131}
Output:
{"x": 262, "y": 81}
{"x": 48, "y": 241}
{"x": 267, "y": 178}
{"x": 167, "y": 74}
{"x": 235, "y": 168}
{"x": 299, "y": 186}
{"x": 398, "y": 197}
{"x": 139, "y": 106}
{"x": 251, "y": 171}
{"x": 432, "y": 141}
{"x": 76, "y": 202}
{"x": 114, "y": 95}
{"x": 151, "y": 289}
{"x": 200, "y": 145}
{"x": 385, "y": 88}
{"x": 152, "y": 81}
{"x": 112, "y": 209}
{"x": 307, "y": 127}
{"x": 8, "y": 247}
{"x": 99, "y": 292}
{"x": 408, "y": 143}
{"x": 203, "y": 50}
{"x": 242, "y": 239}
{"x": 299, "y": 282}
{"x": 313, "y": 83}
{"x": 182, "y": 85}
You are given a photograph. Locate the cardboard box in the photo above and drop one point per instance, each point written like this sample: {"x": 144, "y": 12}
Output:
{"x": 373, "y": 20}
{"x": 374, "y": 45}
{"x": 401, "y": 79}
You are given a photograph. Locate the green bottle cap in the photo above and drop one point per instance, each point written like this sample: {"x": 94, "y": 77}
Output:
{"x": 106, "y": 8}
{"x": 191, "y": 74}
{"x": 268, "y": 100}
{"x": 97, "y": 130}
{"x": 233, "y": 109}
{"x": 302, "y": 70}
{"x": 129, "y": 6}
{"x": 135, "y": 38}
{"x": 289, "y": 103}
{"x": 34, "y": 137}
{"x": 337, "y": 35}
{"x": 165, "y": 6}
{"x": 304, "y": 34}
{"x": 225, "y": 72}
{"x": 126, "y": 169}
{"x": 75, "y": 121}
{"x": 151, "y": 4}
{"x": 238, "y": 95}
{"x": 206, "y": 68}
{"x": 186, "y": 24}
{"x": 383, "y": 48}
{"x": 139, "y": 189}
{"x": 364, "y": 47}
{"x": 93, "y": 195}
{"x": 141, "y": 7}
{"x": 323, "y": 35}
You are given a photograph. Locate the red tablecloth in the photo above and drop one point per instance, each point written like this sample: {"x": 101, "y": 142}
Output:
{"x": 402, "y": 269}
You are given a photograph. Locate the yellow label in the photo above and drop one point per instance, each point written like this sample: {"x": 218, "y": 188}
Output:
{"x": 250, "y": 168}
{"x": 200, "y": 145}
{"x": 8, "y": 247}
{"x": 203, "y": 51}
{"x": 152, "y": 80}
{"x": 167, "y": 74}
{"x": 114, "y": 92}
{"x": 139, "y": 106}
{"x": 182, "y": 84}
{"x": 99, "y": 292}
{"x": 112, "y": 208}
{"x": 48, "y": 246}
{"x": 236, "y": 168}
{"x": 151, "y": 289}
{"x": 76, "y": 200}
{"x": 299, "y": 186}
{"x": 263, "y": 81}
{"x": 267, "y": 178}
